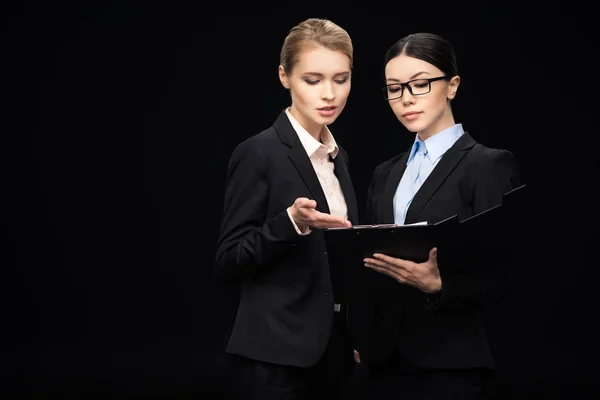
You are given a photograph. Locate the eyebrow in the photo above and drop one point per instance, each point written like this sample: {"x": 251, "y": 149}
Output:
{"x": 320, "y": 75}
{"x": 411, "y": 78}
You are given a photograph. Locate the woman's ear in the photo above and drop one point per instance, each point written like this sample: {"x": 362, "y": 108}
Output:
{"x": 283, "y": 78}
{"x": 453, "y": 87}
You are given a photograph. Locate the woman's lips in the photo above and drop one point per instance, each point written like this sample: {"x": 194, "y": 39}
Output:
{"x": 326, "y": 111}
{"x": 411, "y": 115}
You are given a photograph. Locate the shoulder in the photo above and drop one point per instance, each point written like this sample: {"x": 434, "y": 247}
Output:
{"x": 493, "y": 164}
{"x": 257, "y": 143}
{"x": 478, "y": 153}
{"x": 253, "y": 152}
{"x": 482, "y": 154}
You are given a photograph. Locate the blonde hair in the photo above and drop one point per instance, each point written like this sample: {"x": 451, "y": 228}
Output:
{"x": 316, "y": 30}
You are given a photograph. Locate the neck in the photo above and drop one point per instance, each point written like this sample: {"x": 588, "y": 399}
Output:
{"x": 445, "y": 122}
{"x": 314, "y": 130}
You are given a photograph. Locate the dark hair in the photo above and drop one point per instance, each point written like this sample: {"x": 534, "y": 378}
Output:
{"x": 428, "y": 47}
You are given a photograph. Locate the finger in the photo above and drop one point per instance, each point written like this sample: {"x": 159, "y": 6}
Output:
{"x": 303, "y": 202}
{"x": 393, "y": 270}
{"x": 323, "y": 220}
{"x": 389, "y": 271}
{"x": 378, "y": 263}
{"x": 357, "y": 357}
{"x": 377, "y": 268}
{"x": 310, "y": 204}
{"x": 381, "y": 267}
{"x": 398, "y": 262}
{"x": 433, "y": 254}
{"x": 386, "y": 258}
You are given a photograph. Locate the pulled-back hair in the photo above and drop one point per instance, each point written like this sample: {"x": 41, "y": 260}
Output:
{"x": 314, "y": 30}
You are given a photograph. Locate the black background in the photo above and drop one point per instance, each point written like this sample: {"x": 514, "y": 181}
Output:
{"x": 119, "y": 120}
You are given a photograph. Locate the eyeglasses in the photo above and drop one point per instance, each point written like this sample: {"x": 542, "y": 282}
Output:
{"x": 416, "y": 87}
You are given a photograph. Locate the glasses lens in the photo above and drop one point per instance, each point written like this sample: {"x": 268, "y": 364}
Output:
{"x": 420, "y": 86}
{"x": 392, "y": 91}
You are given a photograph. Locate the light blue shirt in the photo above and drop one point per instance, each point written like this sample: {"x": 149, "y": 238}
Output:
{"x": 431, "y": 152}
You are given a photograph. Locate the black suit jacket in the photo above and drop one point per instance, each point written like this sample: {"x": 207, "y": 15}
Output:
{"x": 443, "y": 331}
{"x": 285, "y": 308}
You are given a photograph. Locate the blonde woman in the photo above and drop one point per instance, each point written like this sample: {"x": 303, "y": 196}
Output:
{"x": 288, "y": 338}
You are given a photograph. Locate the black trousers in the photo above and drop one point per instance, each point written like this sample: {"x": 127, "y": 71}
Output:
{"x": 398, "y": 379}
{"x": 254, "y": 379}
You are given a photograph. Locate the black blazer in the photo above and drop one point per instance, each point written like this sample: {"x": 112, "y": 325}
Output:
{"x": 444, "y": 331}
{"x": 285, "y": 308}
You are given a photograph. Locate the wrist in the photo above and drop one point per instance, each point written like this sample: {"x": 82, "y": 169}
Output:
{"x": 435, "y": 288}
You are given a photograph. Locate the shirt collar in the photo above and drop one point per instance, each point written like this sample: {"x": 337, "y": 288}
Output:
{"x": 311, "y": 144}
{"x": 439, "y": 143}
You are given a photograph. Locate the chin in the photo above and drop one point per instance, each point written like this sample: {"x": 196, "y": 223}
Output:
{"x": 328, "y": 120}
{"x": 413, "y": 126}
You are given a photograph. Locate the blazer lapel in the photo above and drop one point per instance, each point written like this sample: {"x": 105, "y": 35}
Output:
{"x": 344, "y": 178}
{"x": 390, "y": 188}
{"x": 301, "y": 161}
{"x": 439, "y": 174}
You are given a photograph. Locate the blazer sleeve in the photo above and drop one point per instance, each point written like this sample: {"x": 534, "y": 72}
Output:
{"x": 494, "y": 175}
{"x": 249, "y": 239}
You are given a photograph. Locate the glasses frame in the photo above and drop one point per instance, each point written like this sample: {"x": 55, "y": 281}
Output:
{"x": 407, "y": 84}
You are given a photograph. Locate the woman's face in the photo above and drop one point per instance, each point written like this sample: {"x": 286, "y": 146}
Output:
{"x": 319, "y": 84}
{"x": 425, "y": 114}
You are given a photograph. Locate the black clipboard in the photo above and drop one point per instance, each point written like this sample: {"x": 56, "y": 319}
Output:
{"x": 347, "y": 247}
{"x": 461, "y": 247}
